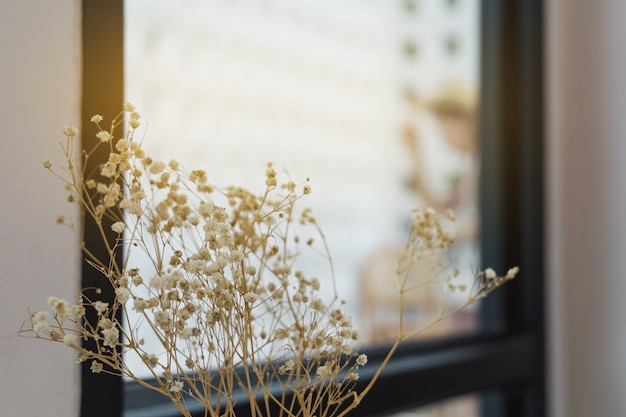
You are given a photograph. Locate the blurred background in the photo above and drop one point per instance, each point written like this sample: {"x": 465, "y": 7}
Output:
{"x": 40, "y": 81}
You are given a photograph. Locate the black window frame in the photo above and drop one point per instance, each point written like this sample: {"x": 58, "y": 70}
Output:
{"x": 508, "y": 354}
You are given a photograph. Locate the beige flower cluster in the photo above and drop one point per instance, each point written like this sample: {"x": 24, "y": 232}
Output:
{"x": 223, "y": 294}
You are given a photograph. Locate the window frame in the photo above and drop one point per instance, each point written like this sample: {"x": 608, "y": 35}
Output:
{"x": 508, "y": 354}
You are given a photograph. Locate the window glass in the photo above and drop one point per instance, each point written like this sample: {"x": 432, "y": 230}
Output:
{"x": 375, "y": 101}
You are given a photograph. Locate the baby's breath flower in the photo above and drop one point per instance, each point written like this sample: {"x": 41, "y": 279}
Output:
{"x": 490, "y": 273}
{"x": 96, "y": 367}
{"x": 250, "y": 297}
{"x": 104, "y": 136}
{"x": 82, "y": 356}
{"x": 70, "y": 131}
{"x": 111, "y": 336}
{"x": 362, "y": 359}
{"x": 122, "y": 295}
{"x": 118, "y": 227}
{"x": 198, "y": 176}
{"x": 140, "y": 305}
{"x": 176, "y": 387}
{"x": 157, "y": 167}
{"x": 69, "y": 339}
{"x": 511, "y": 273}
{"x": 101, "y": 307}
{"x": 318, "y": 304}
{"x": 108, "y": 170}
{"x": 78, "y": 310}
{"x": 39, "y": 322}
{"x": 102, "y": 188}
{"x": 61, "y": 307}
{"x": 174, "y": 165}
{"x": 232, "y": 279}
{"x": 133, "y": 121}
{"x": 281, "y": 334}
{"x": 323, "y": 371}
{"x": 121, "y": 145}
{"x": 151, "y": 360}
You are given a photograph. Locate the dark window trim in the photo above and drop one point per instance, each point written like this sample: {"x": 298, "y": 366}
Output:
{"x": 102, "y": 93}
{"x": 509, "y": 355}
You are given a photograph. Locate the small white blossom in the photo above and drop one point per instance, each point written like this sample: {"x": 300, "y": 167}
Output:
{"x": 101, "y": 307}
{"x": 250, "y": 297}
{"x": 118, "y": 227}
{"x": 122, "y": 145}
{"x": 104, "y": 136}
{"x": 122, "y": 295}
{"x": 511, "y": 273}
{"x": 69, "y": 339}
{"x": 96, "y": 367}
{"x": 157, "y": 167}
{"x": 96, "y": 118}
{"x": 111, "y": 336}
{"x": 490, "y": 273}
{"x": 70, "y": 131}
{"x": 176, "y": 386}
{"x": 323, "y": 371}
{"x": 151, "y": 360}
{"x": 39, "y": 321}
{"x": 362, "y": 359}
{"x": 61, "y": 307}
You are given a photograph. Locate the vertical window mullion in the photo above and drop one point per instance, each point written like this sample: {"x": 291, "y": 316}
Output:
{"x": 102, "y": 93}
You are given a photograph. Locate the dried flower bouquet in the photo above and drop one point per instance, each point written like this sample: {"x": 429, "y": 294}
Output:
{"x": 223, "y": 296}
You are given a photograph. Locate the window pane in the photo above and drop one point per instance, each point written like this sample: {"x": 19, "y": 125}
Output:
{"x": 374, "y": 100}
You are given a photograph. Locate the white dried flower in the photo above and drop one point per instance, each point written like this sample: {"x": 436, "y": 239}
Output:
{"x": 39, "y": 322}
{"x": 61, "y": 307}
{"x": 96, "y": 367}
{"x": 176, "y": 387}
{"x": 511, "y": 273}
{"x": 118, "y": 227}
{"x": 362, "y": 359}
{"x": 104, "y": 136}
{"x": 69, "y": 339}
{"x": 101, "y": 307}
{"x": 122, "y": 295}
{"x": 70, "y": 131}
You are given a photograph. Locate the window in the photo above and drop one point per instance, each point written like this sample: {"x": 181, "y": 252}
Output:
{"x": 506, "y": 355}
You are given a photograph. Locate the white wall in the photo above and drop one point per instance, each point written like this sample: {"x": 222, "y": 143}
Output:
{"x": 587, "y": 206}
{"x": 39, "y": 93}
